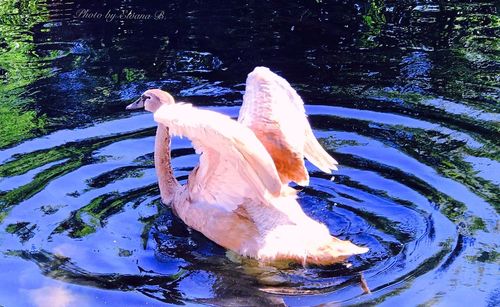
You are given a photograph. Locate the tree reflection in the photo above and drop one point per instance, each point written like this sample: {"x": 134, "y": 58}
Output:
{"x": 19, "y": 68}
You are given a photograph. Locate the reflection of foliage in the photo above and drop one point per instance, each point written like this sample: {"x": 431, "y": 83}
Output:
{"x": 478, "y": 46}
{"x": 373, "y": 19}
{"x": 115, "y": 175}
{"x": 444, "y": 152}
{"x": 450, "y": 207}
{"x": 77, "y": 155}
{"x": 50, "y": 209}
{"x": 17, "y": 124}
{"x": 39, "y": 183}
{"x": 374, "y": 15}
{"x": 486, "y": 257}
{"x": 462, "y": 80}
{"x": 16, "y": 45}
{"x": 148, "y": 224}
{"x": 128, "y": 75}
{"x": 471, "y": 73}
{"x": 26, "y": 162}
{"x": 24, "y": 230}
{"x": 23, "y": 164}
{"x": 87, "y": 219}
{"x": 19, "y": 67}
{"x": 124, "y": 252}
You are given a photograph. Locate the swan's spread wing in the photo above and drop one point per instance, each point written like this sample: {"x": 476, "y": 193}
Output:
{"x": 275, "y": 112}
{"x": 234, "y": 165}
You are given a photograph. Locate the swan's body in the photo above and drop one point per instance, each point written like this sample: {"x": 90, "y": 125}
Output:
{"x": 238, "y": 196}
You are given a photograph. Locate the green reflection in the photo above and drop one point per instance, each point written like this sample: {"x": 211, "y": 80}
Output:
{"x": 24, "y": 230}
{"x": 446, "y": 153}
{"x": 77, "y": 155}
{"x": 16, "y": 123}
{"x": 475, "y": 52}
{"x": 88, "y": 218}
{"x": 17, "y": 49}
{"x": 373, "y": 20}
{"x": 19, "y": 67}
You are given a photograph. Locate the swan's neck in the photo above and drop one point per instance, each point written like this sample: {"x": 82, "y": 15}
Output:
{"x": 166, "y": 179}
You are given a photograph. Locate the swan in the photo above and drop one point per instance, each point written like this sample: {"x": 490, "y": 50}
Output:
{"x": 238, "y": 195}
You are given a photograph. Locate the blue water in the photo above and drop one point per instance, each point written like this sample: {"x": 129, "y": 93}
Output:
{"x": 404, "y": 94}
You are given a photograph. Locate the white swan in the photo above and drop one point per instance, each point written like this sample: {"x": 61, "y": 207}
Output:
{"x": 238, "y": 196}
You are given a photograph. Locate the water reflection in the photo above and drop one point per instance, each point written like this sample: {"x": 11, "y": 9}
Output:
{"x": 403, "y": 93}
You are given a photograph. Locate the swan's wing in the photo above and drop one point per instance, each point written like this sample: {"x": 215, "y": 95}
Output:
{"x": 275, "y": 113}
{"x": 234, "y": 165}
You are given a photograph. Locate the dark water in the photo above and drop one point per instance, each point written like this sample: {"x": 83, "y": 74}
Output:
{"x": 403, "y": 93}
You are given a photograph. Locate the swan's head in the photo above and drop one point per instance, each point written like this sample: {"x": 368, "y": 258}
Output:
{"x": 152, "y": 100}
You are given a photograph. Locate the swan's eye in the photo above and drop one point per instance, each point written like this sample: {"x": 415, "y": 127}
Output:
{"x": 144, "y": 98}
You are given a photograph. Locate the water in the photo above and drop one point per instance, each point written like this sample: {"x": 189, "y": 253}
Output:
{"x": 404, "y": 94}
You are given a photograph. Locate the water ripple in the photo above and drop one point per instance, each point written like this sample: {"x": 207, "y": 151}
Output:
{"x": 403, "y": 94}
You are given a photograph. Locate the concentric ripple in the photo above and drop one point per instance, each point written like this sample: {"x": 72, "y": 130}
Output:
{"x": 404, "y": 94}
{"x": 85, "y": 210}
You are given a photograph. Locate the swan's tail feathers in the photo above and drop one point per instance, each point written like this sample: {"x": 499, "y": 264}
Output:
{"x": 317, "y": 155}
{"x": 309, "y": 244}
{"x": 337, "y": 251}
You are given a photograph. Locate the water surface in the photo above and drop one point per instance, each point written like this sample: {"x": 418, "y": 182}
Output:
{"x": 404, "y": 94}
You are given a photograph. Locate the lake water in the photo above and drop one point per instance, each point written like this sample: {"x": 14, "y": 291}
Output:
{"x": 404, "y": 94}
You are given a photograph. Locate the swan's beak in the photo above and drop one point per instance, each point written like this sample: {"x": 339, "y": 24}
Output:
{"x": 138, "y": 104}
